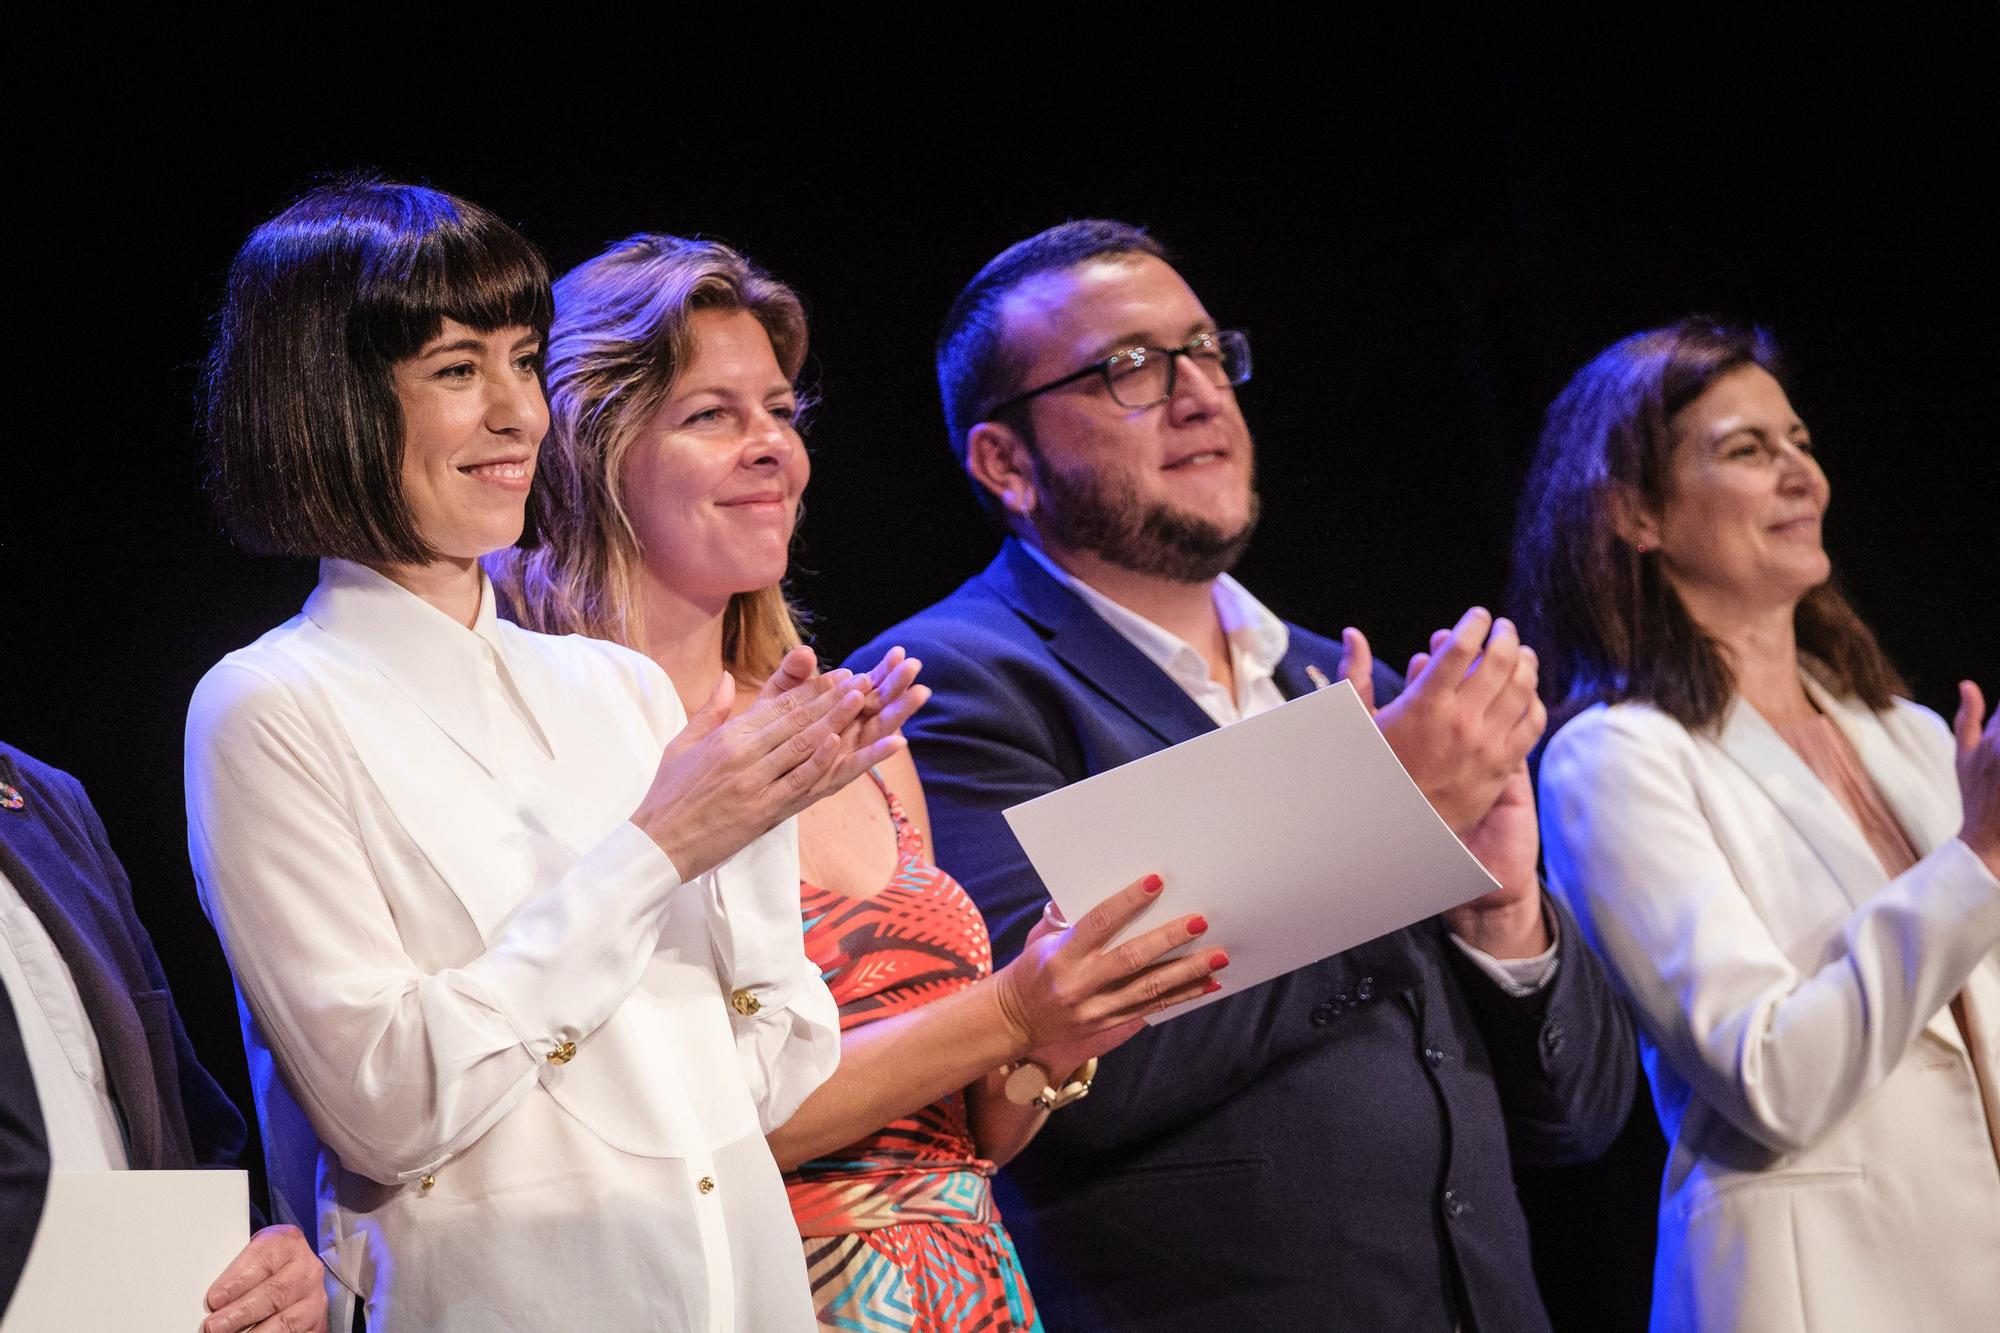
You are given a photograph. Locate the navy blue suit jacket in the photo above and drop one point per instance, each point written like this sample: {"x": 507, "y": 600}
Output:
{"x": 24, "y": 1154}
{"x": 1328, "y": 1150}
{"x": 55, "y": 852}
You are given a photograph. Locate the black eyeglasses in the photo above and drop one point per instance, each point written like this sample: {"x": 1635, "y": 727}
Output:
{"x": 1139, "y": 377}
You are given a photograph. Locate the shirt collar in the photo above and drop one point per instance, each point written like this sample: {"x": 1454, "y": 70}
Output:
{"x": 1252, "y": 628}
{"x": 1258, "y": 638}
{"x": 437, "y": 662}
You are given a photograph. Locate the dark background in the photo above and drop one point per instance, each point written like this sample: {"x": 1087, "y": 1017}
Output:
{"x": 1426, "y": 231}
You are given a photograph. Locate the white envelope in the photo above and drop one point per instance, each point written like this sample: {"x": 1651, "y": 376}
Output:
{"x": 134, "y": 1251}
{"x": 1295, "y": 832}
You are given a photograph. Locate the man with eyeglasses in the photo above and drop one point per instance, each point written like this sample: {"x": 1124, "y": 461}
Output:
{"x": 1330, "y": 1149}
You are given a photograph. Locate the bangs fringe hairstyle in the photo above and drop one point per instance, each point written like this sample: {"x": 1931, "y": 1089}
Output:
{"x": 1606, "y": 621}
{"x": 304, "y": 429}
{"x": 621, "y": 335}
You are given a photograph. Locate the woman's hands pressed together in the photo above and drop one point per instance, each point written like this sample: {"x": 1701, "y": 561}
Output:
{"x": 893, "y": 697}
{"x": 725, "y": 780}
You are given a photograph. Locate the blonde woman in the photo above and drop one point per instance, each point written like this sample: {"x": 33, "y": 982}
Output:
{"x": 676, "y": 469}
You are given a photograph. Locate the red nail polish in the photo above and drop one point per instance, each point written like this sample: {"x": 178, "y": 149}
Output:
{"x": 1197, "y": 924}
{"x": 1217, "y": 961}
{"x": 1212, "y": 987}
{"x": 1151, "y": 884}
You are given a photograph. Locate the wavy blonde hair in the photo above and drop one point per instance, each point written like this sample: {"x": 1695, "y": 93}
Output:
{"x": 621, "y": 335}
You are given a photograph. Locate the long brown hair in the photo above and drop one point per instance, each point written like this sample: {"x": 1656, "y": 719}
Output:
{"x": 620, "y": 337}
{"x": 1607, "y": 622}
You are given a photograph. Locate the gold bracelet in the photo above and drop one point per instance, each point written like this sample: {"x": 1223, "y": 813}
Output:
{"x": 1029, "y": 1084}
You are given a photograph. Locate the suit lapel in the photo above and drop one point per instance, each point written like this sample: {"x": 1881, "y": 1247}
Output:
{"x": 1924, "y": 801}
{"x": 415, "y": 647}
{"x": 47, "y": 864}
{"x": 1292, "y": 671}
{"x": 407, "y": 684}
{"x": 1822, "y": 821}
{"x": 1803, "y": 800}
{"x": 1096, "y": 653}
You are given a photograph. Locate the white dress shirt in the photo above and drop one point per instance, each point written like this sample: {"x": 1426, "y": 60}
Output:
{"x": 1257, "y": 643}
{"x": 527, "y": 1099}
{"x": 80, "y": 1118}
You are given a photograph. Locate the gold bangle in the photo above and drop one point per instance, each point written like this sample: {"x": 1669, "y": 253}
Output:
{"x": 1029, "y": 1084}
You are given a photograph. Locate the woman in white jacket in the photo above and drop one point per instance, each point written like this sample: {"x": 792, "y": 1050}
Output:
{"x": 536, "y": 986}
{"x": 1793, "y": 871}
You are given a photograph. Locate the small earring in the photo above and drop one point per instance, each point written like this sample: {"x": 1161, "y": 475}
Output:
{"x": 1643, "y": 548}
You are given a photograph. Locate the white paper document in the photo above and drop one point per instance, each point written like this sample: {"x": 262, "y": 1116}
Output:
{"x": 1296, "y": 833}
{"x": 130, "y": 1250}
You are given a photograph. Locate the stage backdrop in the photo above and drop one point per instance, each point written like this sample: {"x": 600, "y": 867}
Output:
{"x": 1423, "y": 244}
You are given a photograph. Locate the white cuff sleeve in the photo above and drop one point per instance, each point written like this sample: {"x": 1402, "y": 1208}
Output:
{"x": 1520, "y": 976}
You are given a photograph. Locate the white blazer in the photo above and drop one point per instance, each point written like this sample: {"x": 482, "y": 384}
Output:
{"x": 527, "y": 1099}
{"x": 1829, "y": 1165}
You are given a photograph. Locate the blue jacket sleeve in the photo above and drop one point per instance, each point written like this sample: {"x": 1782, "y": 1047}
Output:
{"x": 1564, "y": 1059}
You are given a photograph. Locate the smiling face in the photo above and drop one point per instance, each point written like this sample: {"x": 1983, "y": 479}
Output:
{"x": 712, "y": 484}
{"x": 1740, "y": 530}
{"x": 1165, "y": 490}
{"x": 473, "y": 419}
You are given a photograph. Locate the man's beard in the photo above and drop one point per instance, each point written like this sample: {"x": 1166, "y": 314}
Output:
{"x": 1104, "y": 515}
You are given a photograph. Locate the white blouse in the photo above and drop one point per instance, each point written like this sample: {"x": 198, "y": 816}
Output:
{"x": 527, "y": 1098}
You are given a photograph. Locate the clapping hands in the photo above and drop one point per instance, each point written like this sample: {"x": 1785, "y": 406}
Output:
{"x": 1463, "y": 730}
{"x": 893, "y": 697}
{"x": 1468, "y": 717}
{"x": 731, "y": 775}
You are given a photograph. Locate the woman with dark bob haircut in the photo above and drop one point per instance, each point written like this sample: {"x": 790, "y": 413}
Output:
{"x": 675, "y": 470}
{"x": 516, "y": 939}
{"x": 1792, "y": 870}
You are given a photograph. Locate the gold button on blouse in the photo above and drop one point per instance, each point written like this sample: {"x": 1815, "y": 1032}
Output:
{"x": 563, "y": 1054}
{"x": 428, "y": 1181}
{"x": 744, "y": 1003}
{"x": 706, "y": 1184}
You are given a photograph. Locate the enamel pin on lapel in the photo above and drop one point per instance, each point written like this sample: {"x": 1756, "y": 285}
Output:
{"x": 11, "y": 798}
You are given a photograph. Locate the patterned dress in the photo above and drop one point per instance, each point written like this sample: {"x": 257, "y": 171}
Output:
{"x": 900, "y": 1231}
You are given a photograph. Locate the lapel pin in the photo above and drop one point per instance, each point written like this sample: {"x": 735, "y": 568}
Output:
{"x": 1317, "y": 677}
{"x": 11, "y": 798}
